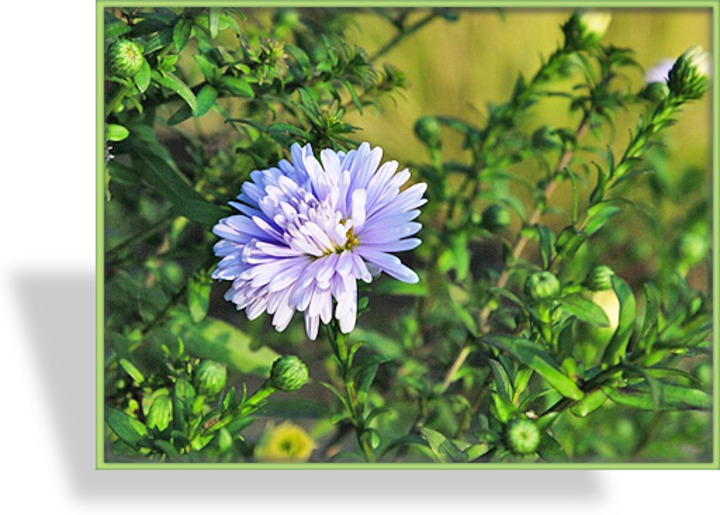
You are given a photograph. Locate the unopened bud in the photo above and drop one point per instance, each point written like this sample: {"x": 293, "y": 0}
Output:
{"x": 585, "y": 29}
{"x": 600, "y": 278}
{"x": 689, "y": 76}
{"x": 288, "y": 374}
{"x": 427, "y": 129}
{"x": 125, "y": 58}
{"x": 495, "y": 218}
{"x": 542, "y": 286}
{"x": 522, "y": 436}
{"x": 211, "y": 377}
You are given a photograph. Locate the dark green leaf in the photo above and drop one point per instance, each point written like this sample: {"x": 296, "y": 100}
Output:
{"x": 598, "y": 215}
{"x": 547, "y": 245}
{"x": 443, "y": 449}
{"x": 206, "y": 99}
{"x": 290, "y": 129}
{"x": 183, "y": 113}
{"x": 167, "y": 448}
{"x": 550, "y": 450}
{"x": 617, "y": 346}
{"x": 115, "y": 27}
{"x": 535, "y": 357}
{"x": 208, "y": 68}
{"x": 199, "y": 297}
{"x": 501, "y": 380}
{"x": 183, "y": 398}
{"x": 172, "y": 82}
{"x": 128, "y": 429}
{"x": 585, "y": 310}
{"x": 181, "y": 33}
{"x": 159, "y": 40}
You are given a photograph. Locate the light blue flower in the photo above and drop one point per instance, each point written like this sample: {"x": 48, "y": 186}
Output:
{"x": 308, "y": 230}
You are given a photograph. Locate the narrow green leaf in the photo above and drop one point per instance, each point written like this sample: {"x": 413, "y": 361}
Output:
{"x": 501, "y": 380}
{"x": 598, "y": 215}
{"x": 132, "y": 371}
{"x": 142, "y": 78}
{"x": 547, "y": 245}
{"x": 183, "y": 398}
{"x": 443, "y": 448}
{"x": 183, "y": 113}
{"x": 540, "y": 361}
{"x": 198, "y": 297}
{"x": 167, "y": 448}
{"x": 550, "y": 450}
{"x": 590, "y": 403}
{"x": 208, "y": 68}
{"x": 172, "y": 82}
{"x": 617, "y": 347}
{"x": 159, "y": 40}
{"x": 290, "y": 129}
{"x": 128, "y": 429}
{"x": 503, "y": 407}
{"x": 672, "y": 398}
{"x": 181, "y": 33}
{"x": 114, "y": 27}
{"x": 585, "y": 310}
{"x": 461, "y": 256}
{"x": 214, "y": 22}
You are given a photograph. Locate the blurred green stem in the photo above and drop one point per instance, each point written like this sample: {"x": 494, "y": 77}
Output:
{"x": 403, "y": 34}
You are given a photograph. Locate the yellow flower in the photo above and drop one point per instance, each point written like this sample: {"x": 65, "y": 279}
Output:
{"x": 286, "y": 442}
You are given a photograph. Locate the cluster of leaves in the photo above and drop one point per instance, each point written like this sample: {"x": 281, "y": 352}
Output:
{"x": 511, "y": 333}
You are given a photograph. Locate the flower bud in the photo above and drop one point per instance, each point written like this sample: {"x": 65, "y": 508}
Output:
{"x": 655, "y": 92}
{"x": 542, "y": 286}
{"x": 286, "y": 442}
{"x": 288, "y": 374}
{"x": 160, "y": 413}
{"x": 522, "y": 436}
{"x": 495, "y": 218}
{"x": 427, "y": 129}
{"x": 689, "y": 76}
{"x": 125, "y": 58}
{"x": 600, "y": 278}
{"x": 210, "y": 377}
{"x": 585, "y": 29}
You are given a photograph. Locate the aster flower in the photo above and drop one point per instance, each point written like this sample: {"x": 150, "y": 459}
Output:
{"x": 308, "y": 230}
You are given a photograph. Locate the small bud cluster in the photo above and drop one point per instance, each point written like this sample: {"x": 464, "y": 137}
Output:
{"x": 125, "y": 58}
{"x": 288, "y": 374}
{"x": 689, "y": 76}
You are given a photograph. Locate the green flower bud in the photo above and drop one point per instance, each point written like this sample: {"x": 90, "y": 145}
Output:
{"x": 655, "y": 92}
{"x": 689, "y": 76}
{"x": 288, "y": 374}
{"x": 585, "y": 29}
{"x": 600, "y": 278}
{"x": 125, "y": 58}
{"x": 522, "y": 436}
{"x": 692, "y": 248}
{"x": 210, "y": 377}
{"x": 542, "y": 286}
{"x": 427, "y": 129}
{"x": 495, "y": 218}
{"x": 160, "y": 413}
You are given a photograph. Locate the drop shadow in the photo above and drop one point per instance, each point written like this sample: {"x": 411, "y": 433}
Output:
{"x": 63, "y": 344}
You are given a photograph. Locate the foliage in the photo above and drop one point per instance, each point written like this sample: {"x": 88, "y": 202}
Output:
{"x": 570, "y": 344}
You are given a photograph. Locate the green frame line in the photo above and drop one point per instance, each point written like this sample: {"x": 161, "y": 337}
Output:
{"x": 101, "y": 5}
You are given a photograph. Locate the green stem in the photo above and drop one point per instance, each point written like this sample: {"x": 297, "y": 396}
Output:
{"x": 117, "y": 98}
{"x": 403, "y": 34}
{"x": 338, "y": 341}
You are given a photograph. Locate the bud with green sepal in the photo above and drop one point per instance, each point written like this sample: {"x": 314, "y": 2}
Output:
{"x": 288, "y": 374}
{"x": 522, "y": 436}
{"x": 542, "y": 286}
{"x": 688, "y": 77}
{"x": 600, "y": 278}
{"x": 125, "y": 58}
{"x": 585, "y": 29}
{"x": 427, "y": 130}
{"x": 210, "y": 377}
{"x": 495, "y": 218}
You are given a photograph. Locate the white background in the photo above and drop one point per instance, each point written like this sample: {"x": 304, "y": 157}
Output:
{"x": 47, "y": 429}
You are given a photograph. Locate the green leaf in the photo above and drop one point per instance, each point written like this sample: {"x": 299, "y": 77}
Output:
{"x": 142, "y": 77}
{"x": 214, "y": 22}
{"x": 617, "y": 347}
{"x": 585, "y": 310}
{"x": 167, "y": 448}
{"x": 206, "y": 99}
{"x": 198, "y": 297}
{"x": 175, "y": 187}
{"x": 290, "y": 129}
{"x": 159, "y": 40}
{"x": 132, "y": 371}
{"x": 393, "y": 287}
{"x": 181, "y": 33}
{"x": 502, "y": 382}
{"x": 547, "y": 245}
{"x": 183, "y": 397}
{"x": 550, "y": 450}
{"x": 671, "y": 398}
{"x": 503, "y": 407}
{"x": 461, "y": 256}
{"x": 598, "y": 215}
{"x": 535, "y": 357}
{"x": 590, "y": 403}
{"x": 208, "y": 68}
{"x": 160, "y": 413}
{"x": 443, "y": 449}
{"x": 219, "y": 341}
{"x": 115, "y": 132}
{"x": 128, "y": 429}
{"x": 172, "y": 82}
{"x": 183, "y": 113}
{"x": 237, "y": 86}
{"x": 115, "y": 27}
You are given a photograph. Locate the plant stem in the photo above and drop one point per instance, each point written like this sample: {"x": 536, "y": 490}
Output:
{"x": 338, "y": 341}
{"x": 403, "y": 34}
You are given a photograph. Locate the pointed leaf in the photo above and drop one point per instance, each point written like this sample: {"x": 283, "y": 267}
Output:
{"x": 129, "y": 430}
{"x": 585, "y": 310}
{"x": 617, "y": 346}
{"x": 443, "y": 449}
